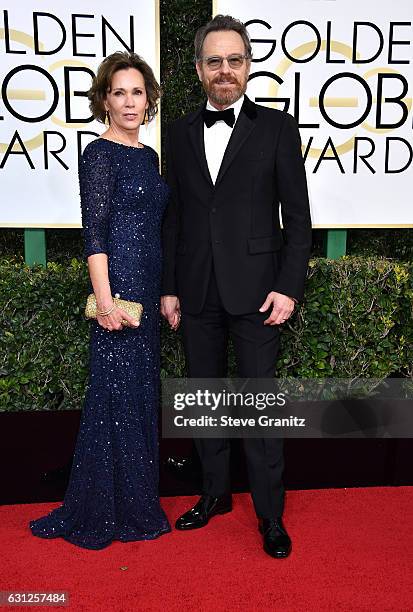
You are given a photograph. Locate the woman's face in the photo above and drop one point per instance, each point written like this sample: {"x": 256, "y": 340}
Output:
{"x": 127, "y": 101}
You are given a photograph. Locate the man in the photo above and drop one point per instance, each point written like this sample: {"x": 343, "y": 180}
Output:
{"x": 228, "y": 270}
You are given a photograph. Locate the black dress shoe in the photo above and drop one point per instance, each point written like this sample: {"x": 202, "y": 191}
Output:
{"x": 181, "y": 464}
{"x": 184, "y": 468}
{"x": 206, "y": 508}
{"x": 277, "y": 542}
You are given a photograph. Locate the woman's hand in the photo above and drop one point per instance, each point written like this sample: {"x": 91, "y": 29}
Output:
{"x": 113, "y": 320}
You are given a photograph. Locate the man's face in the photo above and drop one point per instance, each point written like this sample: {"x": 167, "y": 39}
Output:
{"x": 225, "y": 85}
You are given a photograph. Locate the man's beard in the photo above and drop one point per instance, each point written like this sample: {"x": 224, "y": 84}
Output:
{"x": 222, "y": 95}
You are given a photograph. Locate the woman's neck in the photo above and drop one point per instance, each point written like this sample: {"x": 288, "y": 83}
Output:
{"x": 127, "y": 137}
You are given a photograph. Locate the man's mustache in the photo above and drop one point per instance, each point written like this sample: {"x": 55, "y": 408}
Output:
{"x": 225, "y": 80}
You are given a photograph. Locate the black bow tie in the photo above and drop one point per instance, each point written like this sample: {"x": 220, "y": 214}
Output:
{"x": 210, "y": 117}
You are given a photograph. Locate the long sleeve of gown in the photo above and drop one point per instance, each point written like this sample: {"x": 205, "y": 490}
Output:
{"x": 96, "y": 177}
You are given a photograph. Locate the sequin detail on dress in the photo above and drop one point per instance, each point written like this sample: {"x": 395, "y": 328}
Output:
{"x": 113, "y": 488}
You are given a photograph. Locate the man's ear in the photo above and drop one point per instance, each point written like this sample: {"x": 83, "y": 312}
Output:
{"x": 199, "y": 70}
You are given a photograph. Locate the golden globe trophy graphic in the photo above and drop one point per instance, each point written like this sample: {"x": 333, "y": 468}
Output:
{"x": 47, "y": 65}
{"x": 346, "y": 81}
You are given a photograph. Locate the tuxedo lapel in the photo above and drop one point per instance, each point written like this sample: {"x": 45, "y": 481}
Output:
{"x": 241, "y": 131}
{"x": 196, "y": 136}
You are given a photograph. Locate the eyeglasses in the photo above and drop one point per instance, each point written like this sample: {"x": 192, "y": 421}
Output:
{"x": 215, "y": 61}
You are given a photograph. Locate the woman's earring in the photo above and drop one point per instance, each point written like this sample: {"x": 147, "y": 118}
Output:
{"x": 107, "y": 118}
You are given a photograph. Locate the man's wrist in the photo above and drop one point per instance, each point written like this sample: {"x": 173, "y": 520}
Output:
{"x": 290, "y": 297}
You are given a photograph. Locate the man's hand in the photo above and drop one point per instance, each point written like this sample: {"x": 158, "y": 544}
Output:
{"x": 171, "y": 310}
{"x": 282, "y": 308}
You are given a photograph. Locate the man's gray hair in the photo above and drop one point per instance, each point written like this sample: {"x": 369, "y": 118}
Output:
{"x": 221, "y": 23}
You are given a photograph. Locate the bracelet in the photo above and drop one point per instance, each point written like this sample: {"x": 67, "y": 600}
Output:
{"x": 107, "y": 312}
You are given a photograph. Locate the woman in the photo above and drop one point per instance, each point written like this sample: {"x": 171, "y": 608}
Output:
{"x": 113, "y": 489}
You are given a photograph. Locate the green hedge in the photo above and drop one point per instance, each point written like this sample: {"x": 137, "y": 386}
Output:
{"x": 356, "y": 321}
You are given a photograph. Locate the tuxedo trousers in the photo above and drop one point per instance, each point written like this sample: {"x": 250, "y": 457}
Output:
{"x": 256, "y": 345}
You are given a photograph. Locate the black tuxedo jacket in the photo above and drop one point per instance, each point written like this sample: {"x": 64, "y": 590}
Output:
{"x": 235, "y": 223}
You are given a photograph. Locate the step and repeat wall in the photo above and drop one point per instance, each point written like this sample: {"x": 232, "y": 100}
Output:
{"x": 48, "y": 55}
{"x": 344, "y": 69}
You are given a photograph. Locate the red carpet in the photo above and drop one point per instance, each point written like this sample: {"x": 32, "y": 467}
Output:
{"x": 352, "y": 550}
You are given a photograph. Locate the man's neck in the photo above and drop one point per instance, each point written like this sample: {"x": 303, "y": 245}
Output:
{"x": 221, "y": 107}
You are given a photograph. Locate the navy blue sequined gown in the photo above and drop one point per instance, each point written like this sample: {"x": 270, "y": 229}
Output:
{"x": 113, "y": 489}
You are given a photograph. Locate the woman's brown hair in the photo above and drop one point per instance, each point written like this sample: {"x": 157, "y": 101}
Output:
{"x": 121, "y": 60}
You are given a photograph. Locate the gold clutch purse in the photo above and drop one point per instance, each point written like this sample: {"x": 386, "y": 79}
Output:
{"x": 134, "y": 309}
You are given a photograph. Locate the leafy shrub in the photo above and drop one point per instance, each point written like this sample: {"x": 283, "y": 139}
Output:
{"x": 356, "y": 321}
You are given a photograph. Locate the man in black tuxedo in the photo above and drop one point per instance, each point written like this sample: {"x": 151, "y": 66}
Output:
{"x": 228, "y": 269}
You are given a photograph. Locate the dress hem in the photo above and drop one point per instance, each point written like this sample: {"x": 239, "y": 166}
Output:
{"x": 124, "y": 540}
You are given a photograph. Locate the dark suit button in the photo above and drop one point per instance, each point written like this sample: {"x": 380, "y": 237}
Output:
{"x": 217, "y": 241}
{"x": 214, "y": 210}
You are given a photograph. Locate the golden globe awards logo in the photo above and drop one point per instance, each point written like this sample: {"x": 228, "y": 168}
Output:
{"x": 58, "y": 89}
{"x": 359, "y": 90}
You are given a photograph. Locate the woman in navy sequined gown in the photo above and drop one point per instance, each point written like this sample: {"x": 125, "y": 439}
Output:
{"x": 113, "y": 488}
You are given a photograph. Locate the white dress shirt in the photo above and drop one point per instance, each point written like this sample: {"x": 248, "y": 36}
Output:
{"x": 216, "y": 139}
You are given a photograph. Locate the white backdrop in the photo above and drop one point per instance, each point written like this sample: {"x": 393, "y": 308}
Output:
{"x": 38, "y": 190}
{"x": 345, "y": 191}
